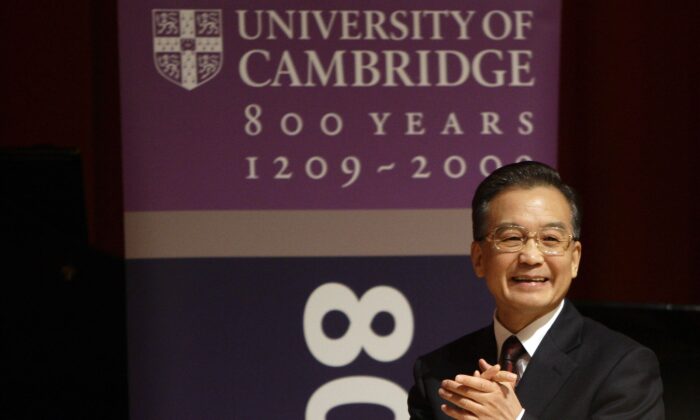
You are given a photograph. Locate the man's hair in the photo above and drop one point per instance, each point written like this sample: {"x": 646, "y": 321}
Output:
{"x": 524, "y": 175}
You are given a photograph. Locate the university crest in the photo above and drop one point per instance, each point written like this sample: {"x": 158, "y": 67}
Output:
{"x": 188, "y": 45}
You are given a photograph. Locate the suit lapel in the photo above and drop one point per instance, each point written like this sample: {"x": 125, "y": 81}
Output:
{"x": 461, "y": 357}
{"x": 551, "y": 365}
{"x": 464, "y": 357}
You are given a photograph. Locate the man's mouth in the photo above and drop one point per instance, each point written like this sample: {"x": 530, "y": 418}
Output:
{"x": 524, "y": 279}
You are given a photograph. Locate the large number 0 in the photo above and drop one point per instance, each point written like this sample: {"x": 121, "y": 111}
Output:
{"x": 357, "y": 390}
{"x": 342, "y": 351}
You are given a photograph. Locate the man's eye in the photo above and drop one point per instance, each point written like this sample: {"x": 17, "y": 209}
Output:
{"x": 512, "y": 238}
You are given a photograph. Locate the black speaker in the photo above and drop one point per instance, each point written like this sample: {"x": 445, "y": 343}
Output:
{"x": 63, "y": 334}
{"x": 673, "y": 333}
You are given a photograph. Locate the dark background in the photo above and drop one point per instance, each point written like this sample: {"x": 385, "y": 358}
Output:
{"x": 627, "y": 142}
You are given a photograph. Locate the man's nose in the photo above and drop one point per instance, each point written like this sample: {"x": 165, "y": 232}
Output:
{"x": 531, "y": 254}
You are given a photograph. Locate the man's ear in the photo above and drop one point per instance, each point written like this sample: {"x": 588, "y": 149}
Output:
{"x": 575, "y": 259}
{"x": 477, "y": 259}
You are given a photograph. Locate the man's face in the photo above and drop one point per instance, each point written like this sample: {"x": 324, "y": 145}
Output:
{"x": 526, "y": 284}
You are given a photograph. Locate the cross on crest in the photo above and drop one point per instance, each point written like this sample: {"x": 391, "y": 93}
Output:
{"x": 188, "y": 45}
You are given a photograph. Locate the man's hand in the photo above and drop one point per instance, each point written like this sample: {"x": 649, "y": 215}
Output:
{"x": 486, "y": 395}
{"x": 494, "y": 373}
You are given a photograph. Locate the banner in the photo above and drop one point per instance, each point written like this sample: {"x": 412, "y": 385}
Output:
{"x": 297, "y": 183}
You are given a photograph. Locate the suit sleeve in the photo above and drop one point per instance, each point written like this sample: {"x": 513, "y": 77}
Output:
{"x": 528, "y": 416}
{"x": 632, "y": 390}
{"x": 418, "y": 404}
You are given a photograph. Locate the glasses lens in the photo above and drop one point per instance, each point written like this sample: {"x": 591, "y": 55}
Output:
{"x": 553, "y": 239}
{"x": 509, "y": 238}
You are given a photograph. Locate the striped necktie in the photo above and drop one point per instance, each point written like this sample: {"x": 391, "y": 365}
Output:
{"x": 511, "y": 351}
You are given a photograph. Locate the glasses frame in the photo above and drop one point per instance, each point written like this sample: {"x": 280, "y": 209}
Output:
{"x": 529, "y": 235}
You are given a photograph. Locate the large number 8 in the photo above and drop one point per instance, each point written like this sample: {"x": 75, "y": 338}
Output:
{"x": 342, "y": 351}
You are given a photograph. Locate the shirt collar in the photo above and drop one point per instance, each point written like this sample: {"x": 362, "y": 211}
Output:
{"x": 532, "y": 335}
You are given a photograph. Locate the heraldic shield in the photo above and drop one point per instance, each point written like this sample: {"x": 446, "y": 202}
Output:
{"x": 188, "y": 45}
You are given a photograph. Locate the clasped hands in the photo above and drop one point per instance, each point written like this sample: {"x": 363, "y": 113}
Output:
{"x": 489, "y": 394}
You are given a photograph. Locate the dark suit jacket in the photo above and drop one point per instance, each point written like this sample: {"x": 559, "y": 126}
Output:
{"x": 581, "y": 370}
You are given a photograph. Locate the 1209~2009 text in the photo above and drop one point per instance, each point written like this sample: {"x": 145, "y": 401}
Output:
{"x": 317, "y": 168}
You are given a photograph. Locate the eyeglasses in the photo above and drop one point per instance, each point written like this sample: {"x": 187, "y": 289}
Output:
{"x": 512, "y": 238}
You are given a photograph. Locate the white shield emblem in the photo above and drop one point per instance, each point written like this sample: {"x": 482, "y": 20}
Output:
{"x": 187, "y": 45}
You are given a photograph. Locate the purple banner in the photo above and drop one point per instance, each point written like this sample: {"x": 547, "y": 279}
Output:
{"x": 282, "y": 105}
{"x": 224, "y": 338}
{"x": 259, "y": 136}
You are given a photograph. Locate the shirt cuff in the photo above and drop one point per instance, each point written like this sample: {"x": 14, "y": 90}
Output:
{"x": 520, "y": 416}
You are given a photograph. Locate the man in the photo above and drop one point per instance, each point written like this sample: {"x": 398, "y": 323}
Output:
{"x": 526, "y": 225}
